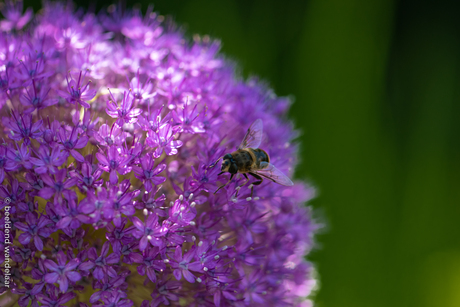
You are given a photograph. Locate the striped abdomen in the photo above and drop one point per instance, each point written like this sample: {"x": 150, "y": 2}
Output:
{"x": 261, "y": 156}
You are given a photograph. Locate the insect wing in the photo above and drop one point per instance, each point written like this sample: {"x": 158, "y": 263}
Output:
{"x": 269, "y": 171}
{"x": 253, "y": 136}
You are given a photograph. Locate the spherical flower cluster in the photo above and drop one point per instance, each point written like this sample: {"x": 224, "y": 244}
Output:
{"x": 111, "y": 128}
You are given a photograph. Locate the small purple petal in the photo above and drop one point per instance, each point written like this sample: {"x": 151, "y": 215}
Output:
{"x": 113, "y": 177}
{"x": 151, "y": 274}
{"x": 51, "y": 278}
{"x": 72, "y": 265}
{"x": 98, "y": 273}
{"x": 51, "y": 265}
{"x": 217, "y": 297}
{"x": 77, "y": 155}
{"x": 25, "y": 238}
{"x": 63, "y": 223}
{"x": 46, "y": 192}
{"x": 188, "y": 276}
{"x": 73, "y": 276}
{"x": 177, "y": 273}
{"x": 86, "y": 266}
{"x": 112, "y": 258}
{"x": 63, "y": 284}
{"x": 38, "y": 243}
{"x": 143, "y": 243}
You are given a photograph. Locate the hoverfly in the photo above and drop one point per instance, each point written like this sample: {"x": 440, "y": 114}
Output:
{"x": 250, "y": 159}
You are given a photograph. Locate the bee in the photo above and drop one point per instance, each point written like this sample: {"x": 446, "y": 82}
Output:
{"x": 250, "y": 159}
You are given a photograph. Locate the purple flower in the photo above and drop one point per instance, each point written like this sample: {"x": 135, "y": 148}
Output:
{"x": 119, "y": 236}
{"x": 224, "y": 290}
{"x": 122, "y": 200}
{"x": 249, "y": 224}
{"x": 14, "y": 18}
{"x": 34, "y": 183}
{"x": 141, "y": 92}
{"x": 62, "y": 272}
{"x": 112, "y": 163}
{"x": 132, "y": 154}
{"x": 97, "y": 206}
{"x": 107, "y": 286}
{"x": 39, "y": 272}
{"x": 255, "y": 288}
{"x": 32, "y": 69}
{"x": 57, "y": 186}
{"x": 5, "y": 163}
{"x": 148, "y": 173}
{"x": 28, "y": 206}
{"x": 245, "y": 254}
{"x": 50, "y": 132}
{"x": 70, "y": 38}
{"x": 187, "y": 120}
{"x": 108, "y": 136}
{"x": 76, "y": 91}
{"x": 88, "y": 178}
{"x": 165, "y": 292}
{"x": 72, "y": 217}
{"x": 71, "y": 141}
{"x": 164, "y": 140}
{"x": 86, "y": 125}
{"x": 205, "y": 178}
{"x": 124, "y": 113}
{"x": 152, "y": 120}
{"x": 51, "y": 212}
{"x": 6, "y": 82}
{"x": 22, "y": 256}
{"x": 53, "y": 299}
{"x": 21, "y": 127}
{"x": 153, "y": 204}
{"x": 102, "y": 262}
{"x": 27, "y": 295}
{"x": 34, "y": 229}
{"x": 208, "y": 255}
{"x": 48, "y": 159}
{"x": 130, "y": 253}
{"x": 151, "y": 263}
{"x": 181, "y": 212}
{"x": 15, "y": 195}
{"x": 19, "y": 157}
{"x": 115, "y": 299}
{"x": 148, "y": 232}
{"x": 183, "y": 264}
{"x": 37, "y": 99}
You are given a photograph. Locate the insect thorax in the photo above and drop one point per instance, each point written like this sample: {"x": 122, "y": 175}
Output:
{"x": 244, "y": 159}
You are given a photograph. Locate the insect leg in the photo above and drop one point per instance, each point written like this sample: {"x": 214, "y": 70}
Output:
{"x": 231, "y": 177}
{"x": 214, "y": 164}
{"x": 239, "y": 187}
{"x": 257, "y": 182}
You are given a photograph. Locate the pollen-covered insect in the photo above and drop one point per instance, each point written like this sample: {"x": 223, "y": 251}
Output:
{"x": 249, "y": 159}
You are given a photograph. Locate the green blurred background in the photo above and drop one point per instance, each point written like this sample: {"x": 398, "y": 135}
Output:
{"x": 376, "y": 95}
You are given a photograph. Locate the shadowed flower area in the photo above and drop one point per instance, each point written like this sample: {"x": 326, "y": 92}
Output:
{"x": 112, "y": 126}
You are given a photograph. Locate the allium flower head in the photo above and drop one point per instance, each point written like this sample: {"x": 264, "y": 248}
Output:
{"x": 112, "y": 127}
